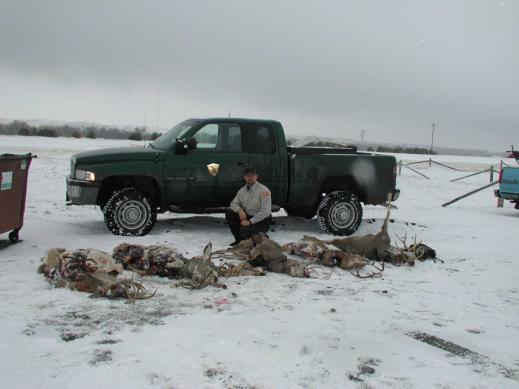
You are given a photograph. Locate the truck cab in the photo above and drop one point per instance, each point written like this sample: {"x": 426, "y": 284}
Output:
{"x": 232, "y": 144}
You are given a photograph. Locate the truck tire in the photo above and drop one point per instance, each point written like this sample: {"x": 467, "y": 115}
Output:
{"x": 340, "y": 213}
{"x": 129, "y": 212}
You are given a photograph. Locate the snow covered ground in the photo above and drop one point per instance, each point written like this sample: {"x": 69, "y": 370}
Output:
{"x": 273, "y": 331}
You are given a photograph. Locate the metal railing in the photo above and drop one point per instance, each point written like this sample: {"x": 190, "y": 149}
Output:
{"x": 490, "y": 170}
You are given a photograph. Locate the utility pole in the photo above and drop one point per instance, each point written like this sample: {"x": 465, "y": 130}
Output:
{"x": 433, "y": 125}
{"x": 362, "y": 136}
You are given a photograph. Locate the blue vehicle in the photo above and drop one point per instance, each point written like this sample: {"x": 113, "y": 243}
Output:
{"x": 509, "y": 182}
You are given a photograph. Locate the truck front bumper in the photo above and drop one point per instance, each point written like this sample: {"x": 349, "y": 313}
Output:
{"x": 82, "y": 192}
{"x": 396, "y": 194}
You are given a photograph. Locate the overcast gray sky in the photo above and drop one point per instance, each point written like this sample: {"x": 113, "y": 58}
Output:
{"x": 329, "y": 68}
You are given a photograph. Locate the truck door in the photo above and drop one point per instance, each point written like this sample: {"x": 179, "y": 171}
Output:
{"x": 262, "y": 145}
{"x": 221, "y": 144}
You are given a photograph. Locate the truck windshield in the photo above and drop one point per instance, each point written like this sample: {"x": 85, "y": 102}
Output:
{"x": 165, "y": 141}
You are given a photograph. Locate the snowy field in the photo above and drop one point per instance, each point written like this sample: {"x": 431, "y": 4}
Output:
{"x": 273, "y": 331}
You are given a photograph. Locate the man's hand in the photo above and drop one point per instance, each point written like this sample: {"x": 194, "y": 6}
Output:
{"x": 243, "y": 215}
{"x": 245, "y": 223}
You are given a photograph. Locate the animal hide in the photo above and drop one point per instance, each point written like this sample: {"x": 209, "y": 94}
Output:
{"x": 348, "y": 261}
{"x": 164, "y": 261}
{"x": 313, "y": 250}
{"x": 422, "y": 251}
{"x": 309, "y": 249}
{"x": 243, "y": 249}
{"x": 89, "y": 270}
{"x": 200, "y": 272}
{"x": 398, "y": 256}
{"x": 228, "y": 269}
{"x": 270, "y": 254}
{"x": 370, "y": 246}
{"x": 63, "y": 265}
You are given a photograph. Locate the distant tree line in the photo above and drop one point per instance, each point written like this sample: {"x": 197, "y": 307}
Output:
{"x": 402, "y": 150}
{"x": 17, "y": 127}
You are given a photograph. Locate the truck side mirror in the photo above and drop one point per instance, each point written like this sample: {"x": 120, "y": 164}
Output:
{"x": 183, "y": 146}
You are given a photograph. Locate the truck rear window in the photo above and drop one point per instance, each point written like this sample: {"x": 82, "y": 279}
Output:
{"x": 260, "y": 139}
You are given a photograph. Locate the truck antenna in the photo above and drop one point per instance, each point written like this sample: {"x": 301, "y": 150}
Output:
{"x": 158, "y": 108}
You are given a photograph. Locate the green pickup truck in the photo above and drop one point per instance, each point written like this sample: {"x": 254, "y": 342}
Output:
{"x": 197, "y": 167}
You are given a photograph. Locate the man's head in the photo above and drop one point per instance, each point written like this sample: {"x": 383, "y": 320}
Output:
{"x": 250, "y": 176}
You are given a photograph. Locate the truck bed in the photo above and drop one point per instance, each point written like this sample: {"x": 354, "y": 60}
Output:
{"x": 313, "y": 170}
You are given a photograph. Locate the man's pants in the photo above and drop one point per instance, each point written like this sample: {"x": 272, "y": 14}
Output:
{"x": 240, "y": 232}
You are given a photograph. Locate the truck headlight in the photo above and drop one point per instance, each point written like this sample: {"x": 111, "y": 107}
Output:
{"x": 85, "y": 175}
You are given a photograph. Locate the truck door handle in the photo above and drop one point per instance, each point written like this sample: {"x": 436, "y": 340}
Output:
{"x": 241, "y": 163}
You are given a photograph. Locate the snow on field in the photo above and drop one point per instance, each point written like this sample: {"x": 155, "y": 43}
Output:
{"x": 275, "y": 331}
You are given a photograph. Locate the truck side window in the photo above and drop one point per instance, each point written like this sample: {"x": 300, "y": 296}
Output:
{"x": 219, "y": 137}
{"x": 207, "y": 136}
{"x": 261, "y": 139}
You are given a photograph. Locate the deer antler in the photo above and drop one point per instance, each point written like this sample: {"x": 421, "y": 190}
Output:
{"x": 375, "y": 274}
{"x": 403, "y": 241}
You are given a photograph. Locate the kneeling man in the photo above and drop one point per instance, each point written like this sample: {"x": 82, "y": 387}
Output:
{"x": 251, "y": 208}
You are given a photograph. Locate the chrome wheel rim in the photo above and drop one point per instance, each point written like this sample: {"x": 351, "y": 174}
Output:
{"x": 342, "y": 215}
{"x": 132, "y": 215}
